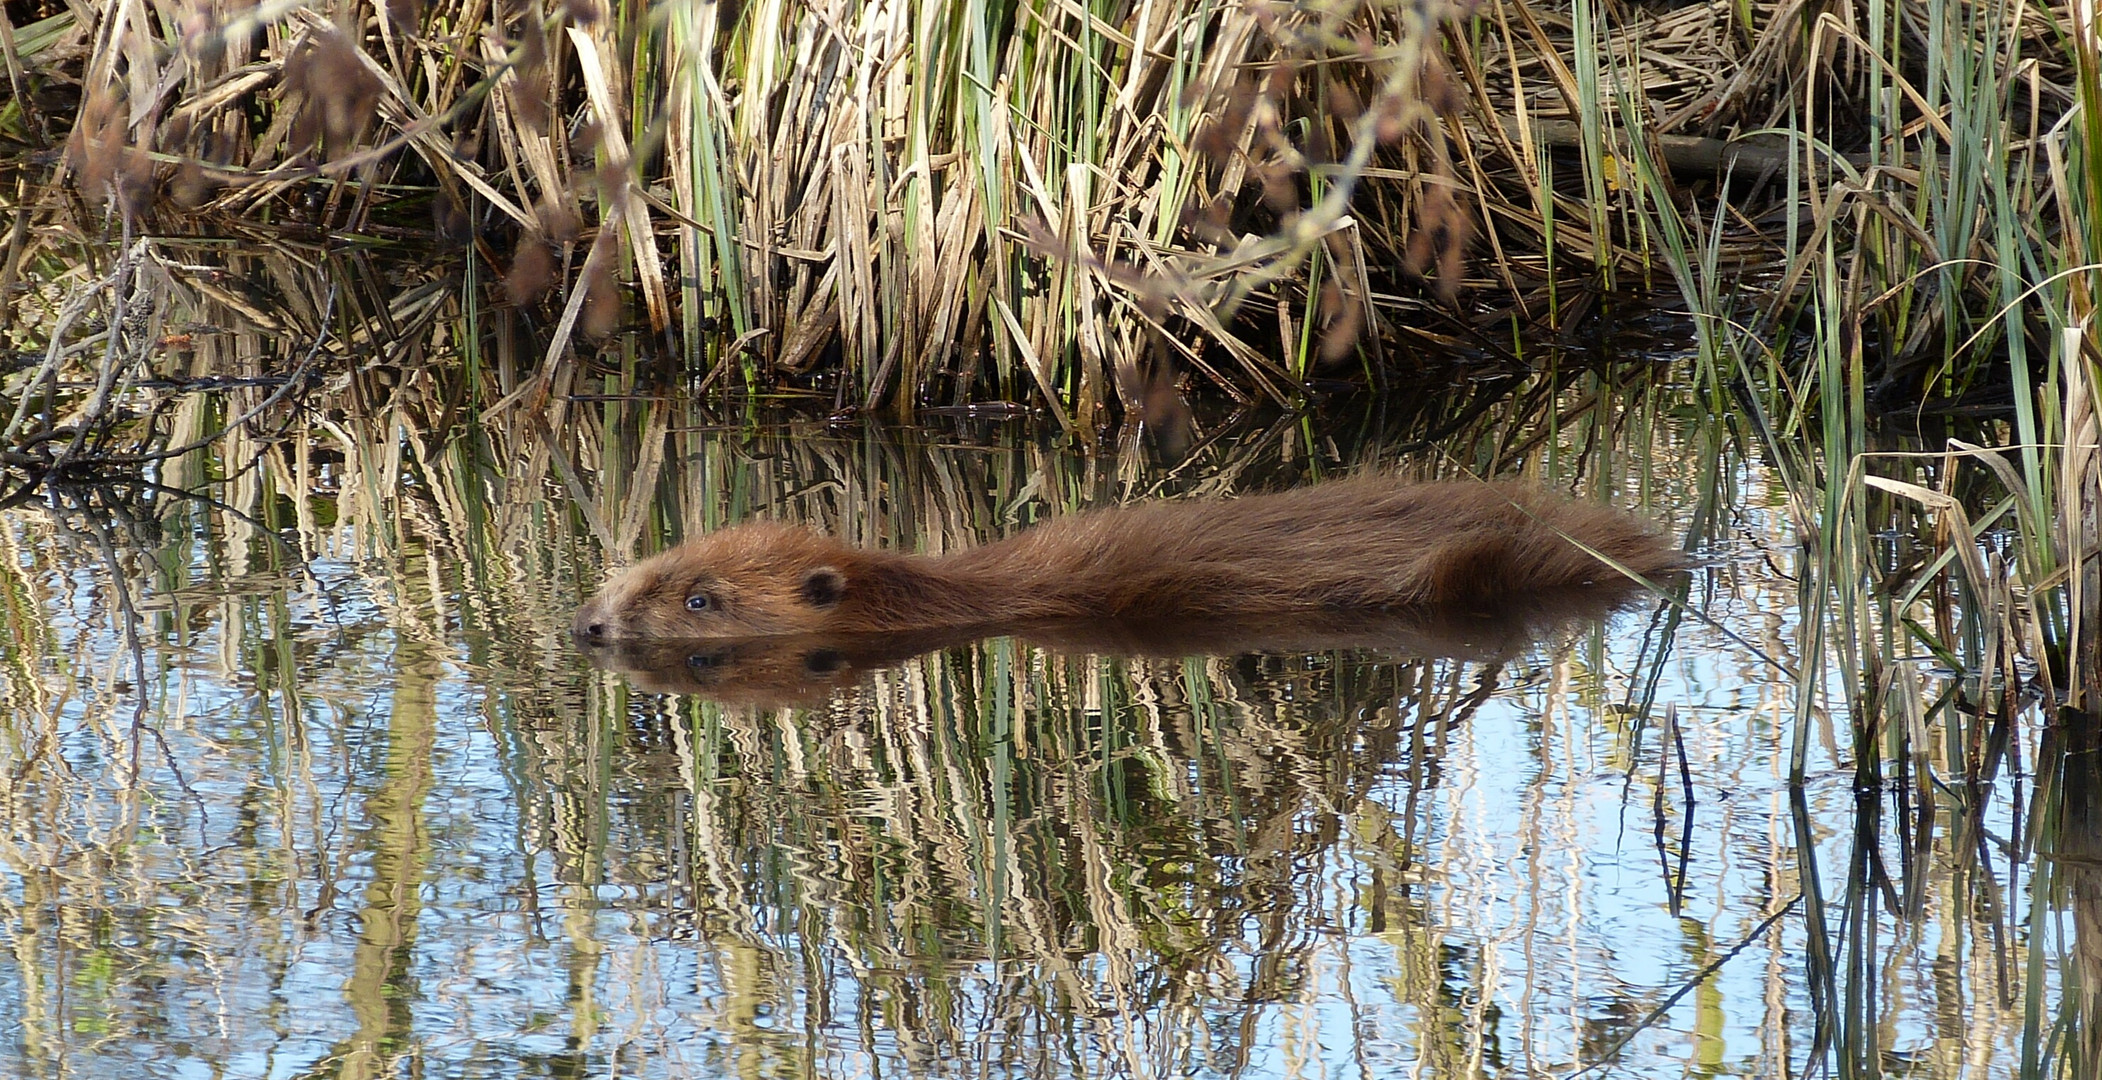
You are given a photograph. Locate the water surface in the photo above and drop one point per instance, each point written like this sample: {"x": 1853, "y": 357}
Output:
{"x": 313, "y": 783}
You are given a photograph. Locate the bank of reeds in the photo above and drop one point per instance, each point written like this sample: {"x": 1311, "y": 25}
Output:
{"x": 1880, "y": 213}
{"x": 1938, "y": 280}
{"x": 933, "y": 204}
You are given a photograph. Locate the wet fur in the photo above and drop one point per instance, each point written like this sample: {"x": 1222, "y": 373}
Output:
{"x": 1367, "y": 544}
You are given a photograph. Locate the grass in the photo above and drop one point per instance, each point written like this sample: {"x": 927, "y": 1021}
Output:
{"x": 1077, "y": 207}
{"x": 1941, "y": 271}
{"x": 1091, "y": 209}
{"x": 1028, "y": 202}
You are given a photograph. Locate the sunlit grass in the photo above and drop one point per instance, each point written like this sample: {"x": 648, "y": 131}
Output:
{"x": 882, "y": 210}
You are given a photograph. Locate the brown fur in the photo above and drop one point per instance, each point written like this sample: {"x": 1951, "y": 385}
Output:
{"x": 1367, "y": 544}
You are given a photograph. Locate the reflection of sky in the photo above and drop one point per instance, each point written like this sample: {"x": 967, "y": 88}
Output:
{"x": 219, "y": 926}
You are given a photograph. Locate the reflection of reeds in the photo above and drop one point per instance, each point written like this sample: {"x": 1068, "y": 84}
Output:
{"x": 1944, "y": 627}
{"x": 1106, "y": 826}
{"x": 1942, "y": 271}
{"x": 990, "y": 835}
{"x": 1143, "y": 834}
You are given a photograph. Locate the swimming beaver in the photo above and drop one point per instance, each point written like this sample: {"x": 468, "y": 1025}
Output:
{"x": 1374, "y": 543}
{"x": 803, "y": 669}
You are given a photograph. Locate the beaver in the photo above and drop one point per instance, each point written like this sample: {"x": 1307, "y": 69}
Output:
{"x": 804, "y": 669}
{"x": 1368, "y": 544}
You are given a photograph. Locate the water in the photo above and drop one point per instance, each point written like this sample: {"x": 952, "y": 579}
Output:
{"x": 338, "y": 796}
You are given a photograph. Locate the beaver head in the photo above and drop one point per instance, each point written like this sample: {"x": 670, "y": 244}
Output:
{"x": 754, "y": 580}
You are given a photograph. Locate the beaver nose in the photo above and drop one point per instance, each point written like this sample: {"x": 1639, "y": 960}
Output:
{"x": 590, "y": 623}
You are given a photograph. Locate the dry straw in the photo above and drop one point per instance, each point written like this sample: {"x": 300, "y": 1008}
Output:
{"x": 942, "y": 202}
{"x": 1076, "y": 206}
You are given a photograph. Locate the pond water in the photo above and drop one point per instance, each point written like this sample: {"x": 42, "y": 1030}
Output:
{"x": 312, "y": 782}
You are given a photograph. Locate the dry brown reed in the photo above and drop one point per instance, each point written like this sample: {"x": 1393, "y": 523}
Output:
{"x": 920, "y": 207}
{"x": 949, "y": 204}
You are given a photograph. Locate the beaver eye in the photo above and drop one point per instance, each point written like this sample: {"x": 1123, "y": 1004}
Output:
{"x": 699, "y": 602}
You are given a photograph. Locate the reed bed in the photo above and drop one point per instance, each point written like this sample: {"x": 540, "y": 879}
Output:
{"x": 1938, "y": 277}
{"x": 1878, "y": 217}
{"x": 908, "y": 206}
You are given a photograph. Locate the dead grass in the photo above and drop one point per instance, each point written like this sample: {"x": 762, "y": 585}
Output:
{"x": 1091, "y": 211}
{"x": 948, "y": 204}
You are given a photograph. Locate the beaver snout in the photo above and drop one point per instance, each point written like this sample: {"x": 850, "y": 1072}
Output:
{"x": 592, "y": 623}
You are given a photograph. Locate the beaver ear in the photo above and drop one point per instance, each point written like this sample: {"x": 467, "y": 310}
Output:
{"x": 824, "y": 587}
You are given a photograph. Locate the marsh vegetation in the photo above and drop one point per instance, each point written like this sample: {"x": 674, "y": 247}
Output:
{"x": 346, "y": 347}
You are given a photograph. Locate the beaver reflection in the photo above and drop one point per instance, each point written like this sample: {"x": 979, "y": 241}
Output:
{"x": 803, "y": 669}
